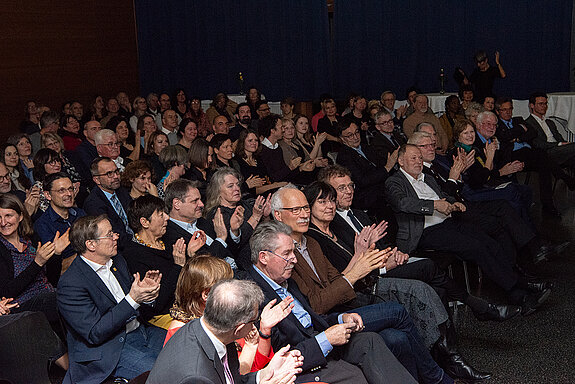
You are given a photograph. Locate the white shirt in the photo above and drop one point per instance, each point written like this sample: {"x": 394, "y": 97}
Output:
{"x": 546, "y": 129}
{"x": 425, "y": 192}
{"x": 269, "y": 144}
{"x": 343, "y": 214}
{"x": 110, "y": 281}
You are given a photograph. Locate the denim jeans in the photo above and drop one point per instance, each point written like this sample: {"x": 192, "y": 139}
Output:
{"x": 393, "y": 323}
{"x": 140, "y": 351}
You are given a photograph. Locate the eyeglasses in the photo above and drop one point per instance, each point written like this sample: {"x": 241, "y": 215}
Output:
{"x": 61, "y": 191}
{"x": 109, "y": 235}
{"x": 110, "y": 174}
{"x": 112, "y": 145}
{"x": 356, "y": 133}
{"x": 54, "y": 162}
{"x": 430, "y": 145}
{"x": 264, "y": 109}
{"x": 292, "y": 258}
{"x": 343, "y": 188}
{"x": 388, "y": 122}
{"x": 297, "y": 210}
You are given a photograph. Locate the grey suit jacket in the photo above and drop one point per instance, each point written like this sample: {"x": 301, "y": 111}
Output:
{"x": 190, "y": 357}
{"x": 409, "y": 209}
{"x": 540, "y": 141}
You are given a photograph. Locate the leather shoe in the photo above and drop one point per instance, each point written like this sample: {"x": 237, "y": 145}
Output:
{"x": 533, "y": 300}
{"x": 499, "y": 312}
{"x": 540, "y": 286}
{"x": 457, "y": 368}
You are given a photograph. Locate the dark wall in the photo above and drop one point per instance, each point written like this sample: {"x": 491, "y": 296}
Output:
{"x": 56, "y": 51}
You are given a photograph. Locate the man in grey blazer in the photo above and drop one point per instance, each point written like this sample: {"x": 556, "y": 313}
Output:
{"x": 425, "y": 222}
{"x": 204, "y": 350}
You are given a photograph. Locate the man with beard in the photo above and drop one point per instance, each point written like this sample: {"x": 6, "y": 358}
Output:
{"x": 243, "y": 119}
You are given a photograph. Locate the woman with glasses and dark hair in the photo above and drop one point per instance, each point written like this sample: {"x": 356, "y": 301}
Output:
{"x": 148, "y": 218}
{"x": 46, "y": 162}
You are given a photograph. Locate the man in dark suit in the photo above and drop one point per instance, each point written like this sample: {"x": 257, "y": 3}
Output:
{"x": 331, "y": 353}
{"x": 515, "y": 136}
{"x": 547, "y": 136}
{"x": 85, "y": 153}
{"x": 425, "y": 222}
{"x": 365, "y": 173}
{"x": 109, "y": 198}
{"x": 204, "y": 350}
{"x": 99, "y": 301}
{"x": 385, "y": 141}
{"x": 185, "y": 208}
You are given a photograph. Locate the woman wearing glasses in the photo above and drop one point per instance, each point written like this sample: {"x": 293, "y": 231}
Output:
{"x": 46, "y": 162}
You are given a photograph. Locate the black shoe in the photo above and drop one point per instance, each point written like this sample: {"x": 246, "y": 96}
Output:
{"x": 457, "y": 368}
{"x": 533, "y": 300}
{"x": 499, "y": 312}
{"x": 540, "y": 286}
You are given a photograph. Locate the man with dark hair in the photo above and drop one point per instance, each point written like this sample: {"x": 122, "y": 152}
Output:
{"x": 185, "y": 207}
{"x": 204, "y": 350}
{"x": 262, "y": 109}
{"x": 58, "y": 218}
{"x": 99, "y": 300}
{"x": 243, "y": 119}
{"x": 86, "y": 152}
{"x": 547, "y": 136}
{"x": 109, "y": 198}
{"x": 386, "y": 140}
{"x": 334, "y": 348}
{"x": 112, "y": 108}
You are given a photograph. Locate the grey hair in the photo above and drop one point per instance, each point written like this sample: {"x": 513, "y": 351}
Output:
{"x": 102, "y": 134}
{"x": 473, "y": 107}
{"x": 265, "y": 237}
{"x": 276, "y": 200}
{"x": 382, "y": 112}
{"x": 215, "y": 185}
{"x": 387, "y": 93}
{"x": 483, "y": 115}
{"x": 231, "y": 303}
{"x": 424, "y": 124}
{"x": 418, "y": 136}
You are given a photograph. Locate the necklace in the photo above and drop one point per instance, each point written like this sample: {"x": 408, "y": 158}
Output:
{"x": 139, "y": 240}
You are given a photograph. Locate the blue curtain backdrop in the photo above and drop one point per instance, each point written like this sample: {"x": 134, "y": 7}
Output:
{"x": 282, "y": 47}
{"x": 388, "y": 44}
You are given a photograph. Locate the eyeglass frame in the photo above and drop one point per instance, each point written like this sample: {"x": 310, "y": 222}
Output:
{"x": 110, "y": 174}
{"x": 281, "y": 257}
{"x": 297, "y": 210}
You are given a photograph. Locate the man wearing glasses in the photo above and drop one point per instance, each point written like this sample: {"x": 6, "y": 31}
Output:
{"x": 334, "y": 348}
{"x": 58, "y": 218}
{"x": 107, "y": 197}
{"x": 367, "y": 175}
{"x": 386, "y": 140}
{"x": 107, "y": 145}
{"x": 99, "y": 302}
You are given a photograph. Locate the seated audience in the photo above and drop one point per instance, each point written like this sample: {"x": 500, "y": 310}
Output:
{"x": 421, "y": 114}
{"x": 174, "y": 159}
{"x": 200, "y": 157}
{"x": 241, "y": 217}
{"x": 99, "y": 301}
{"x": 107, "y": 197}
{"x": 107, "y": 145}
{"x": 189, "y": 132}
{"x": 185, "y": 208}
{"x": 157, "y": 142}
{"x": 230, "y": 313}
{"x": 24, "y": 147}
{"x": 147, "y": 251}
{"x": 137, "y": 178}
{"x": 57, "y": 219}
{"x": 336, "y": 353}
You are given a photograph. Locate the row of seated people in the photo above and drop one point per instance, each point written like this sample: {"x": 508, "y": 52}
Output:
{"x": 107, "y": 197}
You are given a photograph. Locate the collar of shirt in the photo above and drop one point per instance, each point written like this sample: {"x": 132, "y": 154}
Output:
{"x": 118, "y": 161}
{"x": 269, "y": 144}
{"x": 420, "y": 177}
{"x": 538, "y": 119}
{"x": 12, "y": 248}
{"x": 426, "y": 164}
{"x": 218, "y": 345}
{"x": 189, "y": 227}
{"x": 483, "y": 139}
{"x": 72, "y": 213}
{"x": 96, "y": 266}
{"x": 301, "y": 247}
{"x": 168, "y": 132}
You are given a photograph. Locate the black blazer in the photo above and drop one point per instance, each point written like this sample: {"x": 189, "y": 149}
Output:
{"x": 368, "y": 178}
{"x": 540, "y": 138}
{"x": 290, "y": 331}
{"x": 174, "y": 232}
{"x": 381, "y": 146}
{"x": 97, "y": 203}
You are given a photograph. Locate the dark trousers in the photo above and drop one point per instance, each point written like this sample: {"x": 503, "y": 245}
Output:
{"x": 470, "y": 243}
{"x": 537, "y": 160}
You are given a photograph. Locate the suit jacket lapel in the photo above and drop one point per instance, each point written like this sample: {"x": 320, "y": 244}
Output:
{"x": 308, "y": 271}
{"x": 94, "y": 278}
{"x": 210, "y": 350}
{"x": 119, "y": 271}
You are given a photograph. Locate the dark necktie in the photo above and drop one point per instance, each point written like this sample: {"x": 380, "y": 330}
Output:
{"x": 393, "y": 141}
{"x": 354, "y": 221}
{"x": 227, "y": 371}
{"x": 120, "y": 211}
